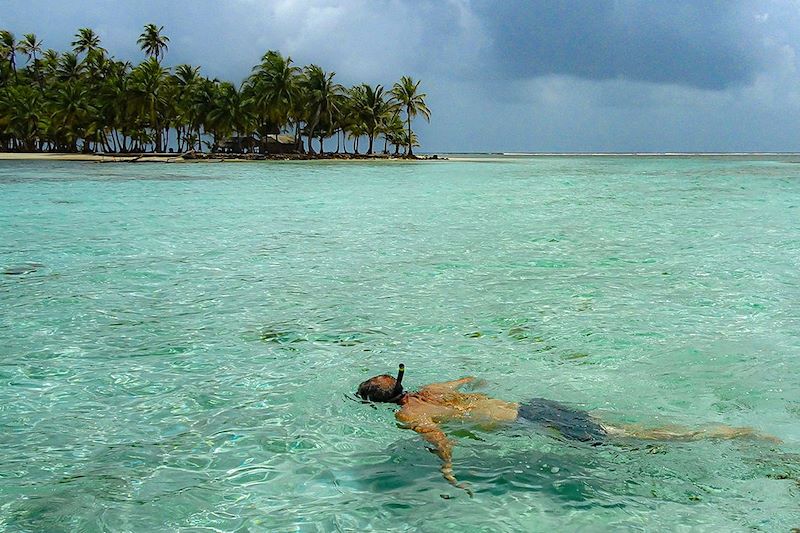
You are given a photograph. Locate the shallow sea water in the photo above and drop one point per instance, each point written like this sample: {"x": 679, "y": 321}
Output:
{"x": 178, "y": 342}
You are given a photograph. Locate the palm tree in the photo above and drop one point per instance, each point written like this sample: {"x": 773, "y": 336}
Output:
{"x": 229, "y": 115}
{"x": 7, "y": 104}
{"x": 8, "y": 47}
{"x": 97, "y": 65}
{"x": 50, "y": 60}
{"x": 71, "y": 110}
{"x": 152, "y": 42}
{"x": 321, "y": 96}
{"x": 393, "y": 132}
{"x": 406, "y": 94}
{"x": 30, "y": 46}
{"x": 113, "y": 105}
{"x": 373, "y": 110}
{"x": 353, "y": 123}
{"x": 272, "y": 91}
{"x": 341, "y": 122}
{"x": 23, "y": 106}
{"x": 69, "y": 69}
{"x": 405, "y": 140}
{"x": 86, "y": 40}
{"x": 203, "y": 101}
{"x": 356, "y": 130}
{"x": 148, "y": 96}
{"x": 186, "y": 79}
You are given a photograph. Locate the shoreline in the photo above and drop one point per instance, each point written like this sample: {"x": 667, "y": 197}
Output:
{"x": 202, "y": 157}
{"x": 481, "y": 157}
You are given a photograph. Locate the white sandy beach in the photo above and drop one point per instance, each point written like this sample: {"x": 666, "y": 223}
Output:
{"x": 22, "y": 156}
{"x": 216, "y": 158}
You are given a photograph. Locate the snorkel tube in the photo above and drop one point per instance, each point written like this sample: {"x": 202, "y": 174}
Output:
{"x": 397, "y": 392}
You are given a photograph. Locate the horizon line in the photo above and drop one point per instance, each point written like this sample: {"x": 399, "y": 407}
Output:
{"x": 621, "y": 153}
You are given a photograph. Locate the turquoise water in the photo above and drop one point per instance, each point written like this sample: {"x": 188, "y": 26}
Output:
{"x": 178, "y": 349}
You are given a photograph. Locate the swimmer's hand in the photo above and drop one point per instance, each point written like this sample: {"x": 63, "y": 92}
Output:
{"x": 452, "y": 385}
{"x": 447, "y": 472}
{"x": 441, "y": 445}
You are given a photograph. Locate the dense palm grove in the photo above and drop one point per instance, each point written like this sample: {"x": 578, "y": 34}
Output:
{"x": 85, "y": 100}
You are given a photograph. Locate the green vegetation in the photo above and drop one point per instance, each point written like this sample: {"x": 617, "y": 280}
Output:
{"x": 85, "y": 100}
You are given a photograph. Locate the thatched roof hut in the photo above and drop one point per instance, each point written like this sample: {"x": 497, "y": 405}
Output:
{"x": 272, "y": 144}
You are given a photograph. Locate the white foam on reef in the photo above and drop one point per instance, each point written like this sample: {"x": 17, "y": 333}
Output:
{"x": 643, "y": 154}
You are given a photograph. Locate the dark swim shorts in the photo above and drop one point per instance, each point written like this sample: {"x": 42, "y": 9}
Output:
{"x": 570, "y": 423}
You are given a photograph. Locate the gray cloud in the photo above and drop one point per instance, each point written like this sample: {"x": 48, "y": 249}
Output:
{"x": 705, "y": 44}
{"x": 511, "y": 75}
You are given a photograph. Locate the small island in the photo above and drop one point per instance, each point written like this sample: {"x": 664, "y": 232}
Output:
{"x": 85, "y": 104}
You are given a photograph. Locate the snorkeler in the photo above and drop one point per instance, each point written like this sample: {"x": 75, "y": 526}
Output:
{"x": 423, "y": 411}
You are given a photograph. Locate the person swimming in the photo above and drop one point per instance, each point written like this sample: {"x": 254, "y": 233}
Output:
{"x": 425, "y": 410}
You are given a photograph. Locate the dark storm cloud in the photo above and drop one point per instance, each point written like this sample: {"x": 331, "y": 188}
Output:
{"x": 703, "y": 44}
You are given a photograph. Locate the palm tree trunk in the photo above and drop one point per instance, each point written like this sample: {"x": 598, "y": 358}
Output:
{"x": 156, "y": 129}
{"x": 36, "y": 74}
{"x": 409, "y": 153}
{"x": 263, "y": 140}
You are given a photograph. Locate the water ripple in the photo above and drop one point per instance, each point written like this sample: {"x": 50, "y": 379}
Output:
{"x": 177, "y": 347}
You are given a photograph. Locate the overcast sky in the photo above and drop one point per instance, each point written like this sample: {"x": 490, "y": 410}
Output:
{"x": 503, "y": 75}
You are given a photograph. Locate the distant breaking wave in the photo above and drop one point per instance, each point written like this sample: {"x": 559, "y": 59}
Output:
{"x": 634, "y": 154}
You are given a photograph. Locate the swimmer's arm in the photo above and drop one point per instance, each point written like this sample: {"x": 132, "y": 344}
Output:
{"x": 443, "y": 447}
{"x": 455, "y": 384}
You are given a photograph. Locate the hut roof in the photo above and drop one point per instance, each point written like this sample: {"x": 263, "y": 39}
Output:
{"x": 281, "y": 139}
{"x": 271, "y": 139}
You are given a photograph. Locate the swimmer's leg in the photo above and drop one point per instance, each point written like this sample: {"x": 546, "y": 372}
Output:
{"x": 680, "y": 433}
